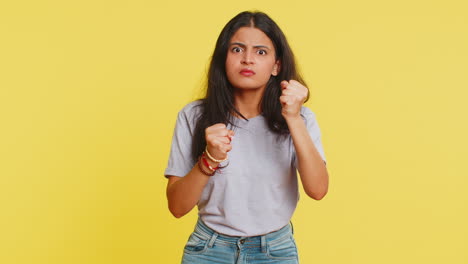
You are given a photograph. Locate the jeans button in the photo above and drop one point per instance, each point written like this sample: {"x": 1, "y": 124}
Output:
{"x": 242, "y": 241}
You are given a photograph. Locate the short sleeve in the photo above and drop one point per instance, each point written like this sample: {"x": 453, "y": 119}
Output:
{"x": 314, "y": 131}
{"x": 180, "y": 158}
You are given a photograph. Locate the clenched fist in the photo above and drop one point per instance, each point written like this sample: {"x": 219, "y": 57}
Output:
{"x": 218, "y": 140}
{"x": 292, "y": 97}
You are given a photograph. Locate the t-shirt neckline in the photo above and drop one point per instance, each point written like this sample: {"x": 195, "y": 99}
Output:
{"x": 248, "y": 119}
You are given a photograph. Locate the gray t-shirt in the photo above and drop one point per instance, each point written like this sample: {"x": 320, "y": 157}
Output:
{"x": 257, "y": 192}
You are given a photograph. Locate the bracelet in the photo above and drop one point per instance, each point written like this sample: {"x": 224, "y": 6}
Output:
{"x": 203, "y": 171}
{"x": 222, "y": 167}
{"x": 207, "y": 164}
{"x": 211, "y": 157}
{"x": 219, "y": 167}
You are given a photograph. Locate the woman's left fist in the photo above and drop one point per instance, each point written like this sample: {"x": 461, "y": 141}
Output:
{"x": 292, "y": 97}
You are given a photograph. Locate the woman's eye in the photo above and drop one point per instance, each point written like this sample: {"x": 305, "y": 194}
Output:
{"x": 236, "y": 49}
{"x": 262, "y": 52}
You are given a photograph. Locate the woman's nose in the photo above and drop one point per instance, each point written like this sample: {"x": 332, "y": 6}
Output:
{"x": 247, "y": 58}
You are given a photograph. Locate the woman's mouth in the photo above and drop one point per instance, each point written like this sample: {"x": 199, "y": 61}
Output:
{"x": 247, "y": 72}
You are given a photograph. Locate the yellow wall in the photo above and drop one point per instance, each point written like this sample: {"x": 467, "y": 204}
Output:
{"x": 89, "y": 92}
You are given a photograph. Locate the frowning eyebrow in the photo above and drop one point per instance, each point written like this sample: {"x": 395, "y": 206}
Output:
{"x": 243, "y": 45}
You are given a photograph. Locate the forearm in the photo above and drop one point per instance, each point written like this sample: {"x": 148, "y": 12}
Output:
{"x": 185, "y": 192}
{"x": 311, "y": 167}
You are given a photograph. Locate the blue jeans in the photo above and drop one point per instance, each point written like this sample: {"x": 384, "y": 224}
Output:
{"x": 205, "y": 246}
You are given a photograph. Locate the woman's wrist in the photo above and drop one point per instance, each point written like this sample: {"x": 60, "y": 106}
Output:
{"x": 214, "y": 159}
{"x": 205, "y": 167}
{"x": 212, "y": 163}
{"x": 293, "y": 119}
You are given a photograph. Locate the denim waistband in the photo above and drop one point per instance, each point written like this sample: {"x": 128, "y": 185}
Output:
{"x": 252, "y": 241}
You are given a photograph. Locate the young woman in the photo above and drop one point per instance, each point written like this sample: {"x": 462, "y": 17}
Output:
{"x": 235, "y": 152}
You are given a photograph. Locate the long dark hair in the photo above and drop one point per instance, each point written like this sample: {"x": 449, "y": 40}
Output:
{"x": 218, "y": 104}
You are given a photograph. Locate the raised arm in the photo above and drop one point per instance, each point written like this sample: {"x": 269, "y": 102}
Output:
{"x": 183, "y": 193}
{"x": 312, "y": 169}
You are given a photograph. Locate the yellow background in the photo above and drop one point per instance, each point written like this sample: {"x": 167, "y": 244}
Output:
{"x": 90, "y": 90}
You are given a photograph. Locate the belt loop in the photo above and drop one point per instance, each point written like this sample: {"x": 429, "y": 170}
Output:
{"x": 263, "y": 244}
{"x": 212, "y": 240}
{"x": 292, "y": 227}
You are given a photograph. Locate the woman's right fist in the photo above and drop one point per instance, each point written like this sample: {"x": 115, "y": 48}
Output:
{"x": 218, "y": 140}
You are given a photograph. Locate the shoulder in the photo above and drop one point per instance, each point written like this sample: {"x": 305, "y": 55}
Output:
{"x": 191, "y": 107}
{"x": 191, "y": 110}
{"x": 189, "y": 115}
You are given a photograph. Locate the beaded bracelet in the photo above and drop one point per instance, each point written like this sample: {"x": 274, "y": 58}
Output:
{"x": 207, "y": 164}
{"x": 203, "y": 171}
{"x": 219, "y": 167}
{"x": 211, "y": 157}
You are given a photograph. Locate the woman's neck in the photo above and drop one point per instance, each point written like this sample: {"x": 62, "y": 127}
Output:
{"x": 247, "y": 102}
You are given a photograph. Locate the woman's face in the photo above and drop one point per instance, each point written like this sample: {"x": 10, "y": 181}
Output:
{"x": 250, "y": 59}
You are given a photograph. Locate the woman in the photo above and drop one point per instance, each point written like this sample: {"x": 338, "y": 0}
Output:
{"x": 235, "y": 152}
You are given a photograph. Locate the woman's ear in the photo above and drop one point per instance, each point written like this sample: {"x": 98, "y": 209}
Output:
{"x": 276, "y": 68}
